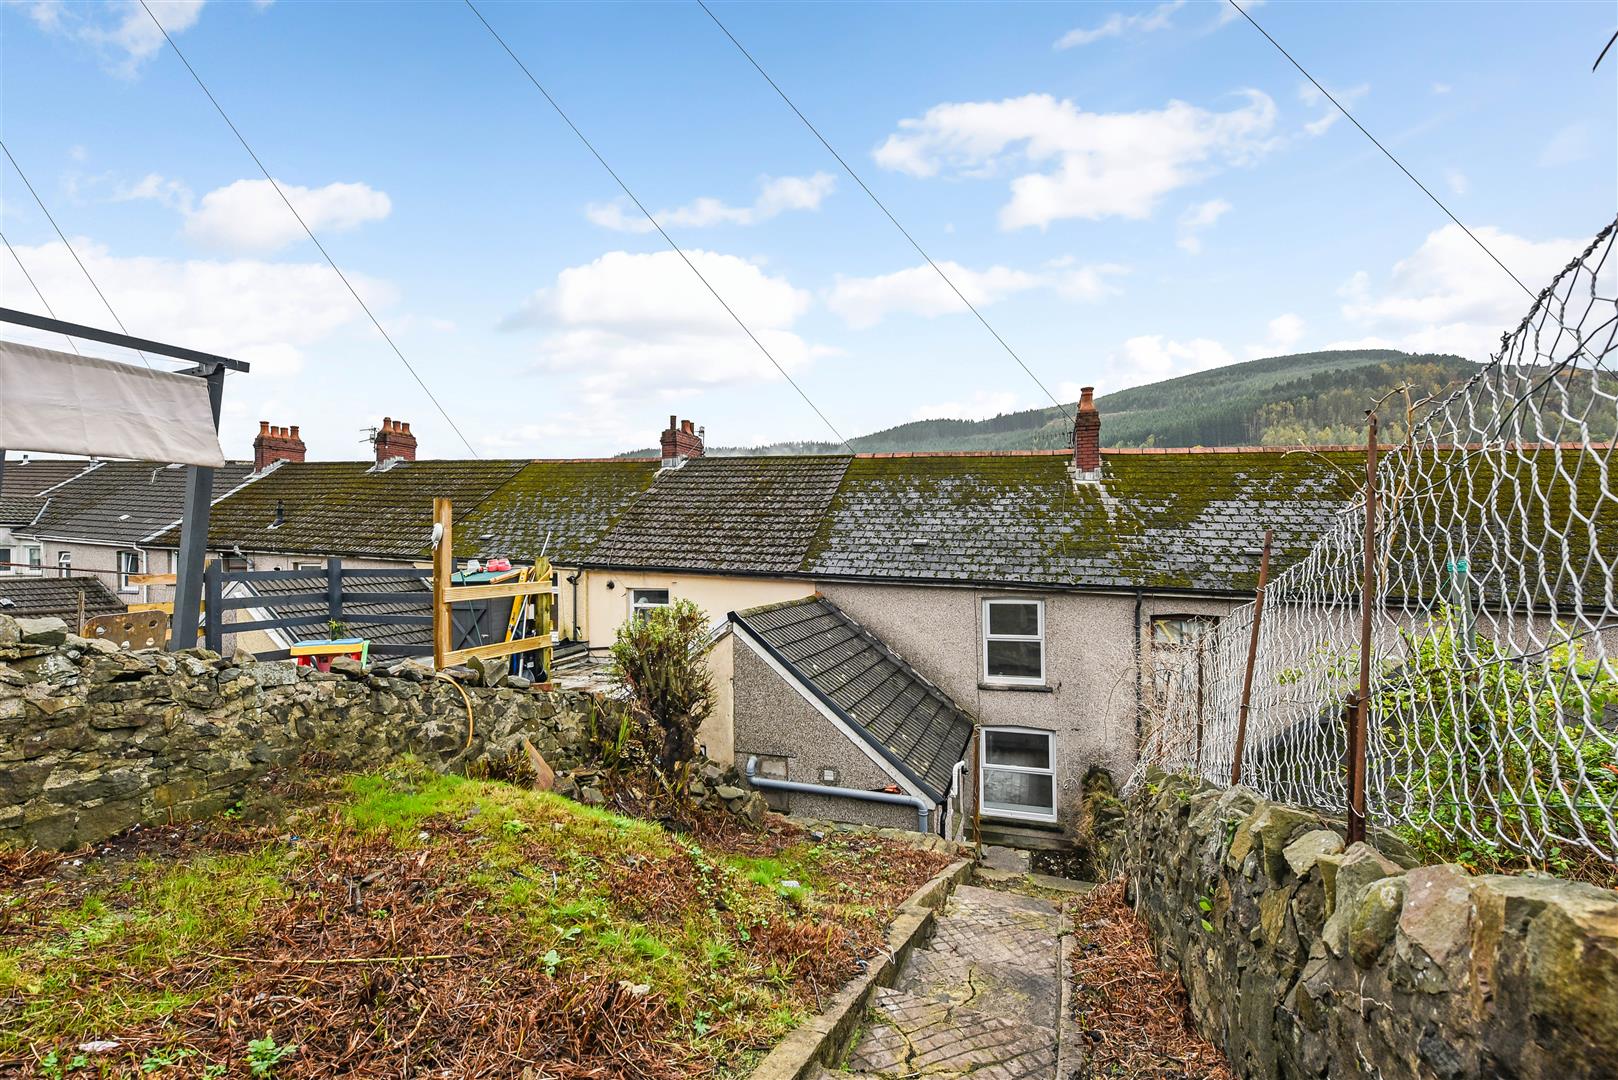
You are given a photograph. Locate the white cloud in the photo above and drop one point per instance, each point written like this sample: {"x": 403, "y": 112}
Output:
{"x": 1286, "y": 331}
{"x": 1457, "y": 181}
{"x": 121, "y": 31}
{"x": 634, "y": 324}
{"x": 1310, "y": 95}
{"x": 1568, "y": 146}
{"x": 1228, "y": 14}
{"x": 248, "y": 216}
{"x": 265, "y": 313}
{"x": 1152, "y": 357}
{"x": 1118, "y": 24}
{"x": 1196, "y": 219}
{"x": 1077, "y": 164}
{"x": 980, "y": 406}
{"x": 1442, "y": 88}
{"x": 777, "y": 195}
{"x": 1448, "y": 296}
{"x": 918, "y": 290}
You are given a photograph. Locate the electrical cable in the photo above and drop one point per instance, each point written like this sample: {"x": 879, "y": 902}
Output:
{"x": 888, "y": 213}
{"x": 642, "y": 207}
{"x": 310, "y": 233}
{"x": 35, "y": 285}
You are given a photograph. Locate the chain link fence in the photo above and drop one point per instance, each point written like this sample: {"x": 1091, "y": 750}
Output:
{"x": 1492, "y": 718}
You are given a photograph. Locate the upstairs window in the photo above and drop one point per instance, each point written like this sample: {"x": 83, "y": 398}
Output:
{"x": 643, "y": 600}
{"x": 1014, "y": 641}
{"x": 128, "y": 566}
{"x": 64, "y": 564}
{"x": 1180, "y": 652}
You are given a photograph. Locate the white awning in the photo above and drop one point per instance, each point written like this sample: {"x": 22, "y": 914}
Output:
{"x": 56, "y": 402}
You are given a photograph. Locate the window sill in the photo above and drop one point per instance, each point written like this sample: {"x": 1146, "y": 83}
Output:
{"x": 1027, "y": 688}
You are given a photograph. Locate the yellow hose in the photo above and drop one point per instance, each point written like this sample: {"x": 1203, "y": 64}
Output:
{"x": 466, "y": 698}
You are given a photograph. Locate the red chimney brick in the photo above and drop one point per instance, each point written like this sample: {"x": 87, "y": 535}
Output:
{"x": 1087, "y": 435}
{"x": 680, "y": 442}
{"x": 276, "y": 444}
{"x": 393, "y": 440}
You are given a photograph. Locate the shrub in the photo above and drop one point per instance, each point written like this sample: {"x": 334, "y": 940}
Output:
{"x": 659, "y": 657}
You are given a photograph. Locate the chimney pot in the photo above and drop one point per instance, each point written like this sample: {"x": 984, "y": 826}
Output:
{"x": 276, "y": 443}
{"x": 394, "y": 441}
{"x": 680, "y": 442}
{"x": 294, "y": 431}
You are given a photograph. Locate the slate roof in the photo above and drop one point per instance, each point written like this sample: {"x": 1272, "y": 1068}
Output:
{"x": 1188, "y": 520}
{"x": 884, "y": 700}
{"x": 561, "y": 508}
{"x": 19, "y": 509}
{"x": 751, "y": 515}
{"x": 32, "y": 475}
{"x": 122, "y": 502}
{"x": 347, "y": 508}
{"x": 38, "y": 597}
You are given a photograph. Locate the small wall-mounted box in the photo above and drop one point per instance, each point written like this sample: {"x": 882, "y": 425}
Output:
{"x": 829, "y": 775}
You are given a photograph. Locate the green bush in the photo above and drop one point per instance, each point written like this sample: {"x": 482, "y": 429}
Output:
{"x": 659, "y": 657}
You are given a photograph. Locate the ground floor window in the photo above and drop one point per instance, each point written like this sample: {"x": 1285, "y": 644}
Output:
{"x": 643, "y": 600}
{"x": 1017, "y": 774}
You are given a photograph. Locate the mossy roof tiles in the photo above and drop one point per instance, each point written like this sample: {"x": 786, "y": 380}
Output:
{"x": 122, "y": 502}
{"x": 748, "y": 515}
{"x": 349, "y": 508}
{"x": 1188, "y": 520}
{"x": 560, "y": 508}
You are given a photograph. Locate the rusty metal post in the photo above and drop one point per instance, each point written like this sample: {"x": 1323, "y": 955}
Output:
{"x": 1362, "y": 699}
{"x": 1252, "y": 655}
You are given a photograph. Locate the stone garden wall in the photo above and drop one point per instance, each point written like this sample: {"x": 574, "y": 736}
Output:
{"x": 93, "y": 740}
{"x": 1302, "y": 959}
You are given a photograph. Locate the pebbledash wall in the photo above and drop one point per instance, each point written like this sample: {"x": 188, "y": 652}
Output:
{"x": 93, "y": 740}
{"x": 1326, "y": 963}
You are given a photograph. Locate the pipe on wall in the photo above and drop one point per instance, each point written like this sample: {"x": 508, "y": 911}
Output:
{"x": 924, "y": 809}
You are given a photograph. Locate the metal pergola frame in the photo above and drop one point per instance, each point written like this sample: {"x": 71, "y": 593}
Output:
{"x": 198, "y": 479}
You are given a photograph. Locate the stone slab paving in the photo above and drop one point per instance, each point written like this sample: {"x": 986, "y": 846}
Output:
{"x": 982, "y": 1000}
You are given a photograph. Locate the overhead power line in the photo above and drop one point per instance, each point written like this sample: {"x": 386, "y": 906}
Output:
{"x": 63, "y": 236}
{"x": 35, "y": 286}
{"x": 1385, "y": 151}
{"x": 880, "y": 206}
{"x": 310, "y": 232}
{"x": 656, "y": 225}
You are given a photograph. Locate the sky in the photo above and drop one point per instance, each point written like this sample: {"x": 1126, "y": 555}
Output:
{"x": 1126, "y": 192}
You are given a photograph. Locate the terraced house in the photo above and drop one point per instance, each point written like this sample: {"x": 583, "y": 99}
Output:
{"x": 885, "y": 607}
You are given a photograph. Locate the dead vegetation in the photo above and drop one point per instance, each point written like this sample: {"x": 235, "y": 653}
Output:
{"x": 418, "y": 925}
{"x": 1131, "y": 1015}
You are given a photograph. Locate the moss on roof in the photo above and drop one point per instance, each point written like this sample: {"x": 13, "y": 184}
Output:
{"x": 349, "y": 508}
{"x": 560, "y": 508}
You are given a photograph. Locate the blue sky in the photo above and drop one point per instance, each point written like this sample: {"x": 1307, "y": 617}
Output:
{"x": 1129, "y": 192}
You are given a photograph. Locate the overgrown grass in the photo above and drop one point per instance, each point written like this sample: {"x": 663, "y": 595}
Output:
{"x": 725, "y": 950}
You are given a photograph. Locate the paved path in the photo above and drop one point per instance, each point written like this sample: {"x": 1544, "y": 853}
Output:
{"x": 982, "y": 1000}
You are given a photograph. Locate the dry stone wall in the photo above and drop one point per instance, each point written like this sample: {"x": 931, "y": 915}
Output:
{"x": 1323, "y": 962}
{"x": 94, "y": 740}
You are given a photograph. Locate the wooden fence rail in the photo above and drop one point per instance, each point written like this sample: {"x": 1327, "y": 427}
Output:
{"x": 533, "y": 588}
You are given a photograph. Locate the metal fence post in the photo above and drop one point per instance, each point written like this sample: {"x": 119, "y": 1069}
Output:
{"x": 213, "y": 585}
{"x": 1362, "y": 699}
{"x": 1252, "y": 655}
{"x": 334, "y": 590}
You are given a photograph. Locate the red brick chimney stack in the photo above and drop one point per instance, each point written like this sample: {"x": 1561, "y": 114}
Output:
{"x": 276, "y": 444}
{"x": 681, "y": 442}
{"x": 1087, "y": 436}
{"x": 393, "y": 440}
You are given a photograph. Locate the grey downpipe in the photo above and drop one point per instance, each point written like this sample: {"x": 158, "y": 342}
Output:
{"x": 924, "y": 809}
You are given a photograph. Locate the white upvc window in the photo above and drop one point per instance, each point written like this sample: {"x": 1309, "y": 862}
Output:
{"x": 128, "y": 565}
{"x": 1014, "y": 642}
{"x": 5, "y": 561}
{"x": 643, "y": 600}
{"x": 64, "y": 564}
{"x": 1017, "y": 774}
{"x": 34, "y": 556}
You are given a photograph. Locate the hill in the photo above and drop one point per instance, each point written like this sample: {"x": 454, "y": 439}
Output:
{"x": 1316, "y": 397}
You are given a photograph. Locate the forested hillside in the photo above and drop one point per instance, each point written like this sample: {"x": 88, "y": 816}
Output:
{"x": 1317, "y": 397}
